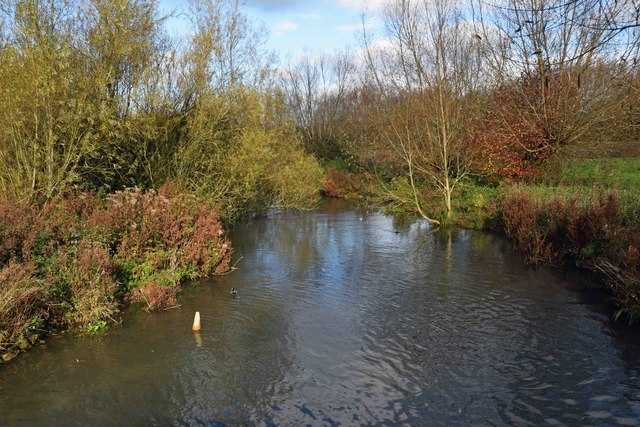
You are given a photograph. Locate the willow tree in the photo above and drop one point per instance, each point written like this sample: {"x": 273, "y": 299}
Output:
{"x": 212, "y": 84}
{"x": 428, "y": 72}
{"x": 233, "y": 149}
{"x": 43, "y": 115}
{"x": 125, "y": 53}
{"x": 70, "y": 103}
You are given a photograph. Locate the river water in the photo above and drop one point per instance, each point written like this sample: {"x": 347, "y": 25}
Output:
{"x": 344, "y": 317}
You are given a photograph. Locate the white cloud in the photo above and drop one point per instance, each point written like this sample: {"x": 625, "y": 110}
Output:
{"x": 381, "y": 46}
{"x": 362, "y": 4}
{"x": 369, "y": 24}
{"x": 285, "y": 26}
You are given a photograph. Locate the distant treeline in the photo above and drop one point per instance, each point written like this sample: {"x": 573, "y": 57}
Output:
{"x": 442, "y": 92}
{"x": 97, "y": 94}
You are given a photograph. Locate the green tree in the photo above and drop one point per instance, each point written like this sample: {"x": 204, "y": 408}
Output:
{"x": 43, "y": 114}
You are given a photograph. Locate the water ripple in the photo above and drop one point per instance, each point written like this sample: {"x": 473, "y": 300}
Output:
{"x": 347, "y": 318}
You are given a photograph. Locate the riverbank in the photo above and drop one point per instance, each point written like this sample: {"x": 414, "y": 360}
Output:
{"x": 76, "y": 261}
{"x": 592, "y": 231}
{"x": 584, "y": 212}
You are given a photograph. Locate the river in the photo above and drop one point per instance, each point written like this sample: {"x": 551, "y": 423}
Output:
{"x": 344, "y": 317}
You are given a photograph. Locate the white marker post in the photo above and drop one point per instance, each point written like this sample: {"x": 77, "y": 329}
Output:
{"x": 196, "y": 322}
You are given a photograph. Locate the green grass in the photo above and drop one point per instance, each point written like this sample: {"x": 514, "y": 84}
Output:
{"x": 615, "y": 173}
{"x": 583, "y": 179}
{"x": 476, "y": 206}
{"x": 587, "y": 179}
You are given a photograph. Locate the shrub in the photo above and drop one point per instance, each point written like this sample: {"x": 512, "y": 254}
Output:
{"x": 22, "y": 307}
{"x": 253, "y": 168}
{"x": 159, "y": 296}
{"x": 166, "y": 228}
{"x": 337, "y": 183}
{"x": 553, "y": 231}
{"x": 16, "y": 221}
{"x": 593, "y": 233}
{"x": 83, "y": 279}
{"x": 77, "y": 259}
{"x": 525, "y": 124}
{"x": 477, "y": 206}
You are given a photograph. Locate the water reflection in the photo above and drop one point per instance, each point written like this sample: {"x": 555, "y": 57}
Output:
{"x": 346, "y": 317}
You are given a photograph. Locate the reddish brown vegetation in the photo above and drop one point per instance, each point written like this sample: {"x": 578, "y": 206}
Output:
{"x": 85, "y": 279}
{"x": 595, "y": 235}
{"x": 340, "y": 184}
{"x": 21, "y": 300}
{"x": 158, "y": 296}
{"x": 507, "y": 153}
{"x": 207, "y": 249}
{"x": 552, "y": 231}
{"x": 524, "y": 125}
{"x": 78, "y": 258}
{"x": 167, "y": 228}
{"x": 16, "y": 221}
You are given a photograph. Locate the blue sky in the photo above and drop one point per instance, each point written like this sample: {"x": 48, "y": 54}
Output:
{"x": 321, "y": 25}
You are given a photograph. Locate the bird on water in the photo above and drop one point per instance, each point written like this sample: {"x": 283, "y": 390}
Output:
{"x": 234, "y": 291}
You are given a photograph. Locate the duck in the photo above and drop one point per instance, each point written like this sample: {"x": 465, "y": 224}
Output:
{"x": 234, "y": 291}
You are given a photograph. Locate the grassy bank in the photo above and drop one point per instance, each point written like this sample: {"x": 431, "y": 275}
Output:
{"x": 593, "y": 232}
{"x": 584, "y": 212}
{"x": 77, "y": 260}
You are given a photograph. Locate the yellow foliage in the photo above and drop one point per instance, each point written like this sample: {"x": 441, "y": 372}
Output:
{"x": 245, "y": 162}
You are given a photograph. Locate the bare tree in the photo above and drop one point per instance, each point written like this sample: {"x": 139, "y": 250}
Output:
{"x": 562, "y": 57}
{"x": 227, "y": 48}
{"x": 315, "y": 88}
{"x": 428, "y": 73}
